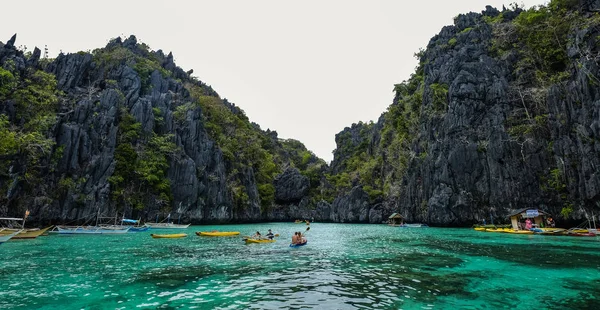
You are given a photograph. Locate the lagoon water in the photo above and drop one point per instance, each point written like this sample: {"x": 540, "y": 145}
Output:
{"x": 343, "y": 266}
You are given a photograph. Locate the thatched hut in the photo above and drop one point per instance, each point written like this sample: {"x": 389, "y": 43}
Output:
{"x": 396, "y": 219}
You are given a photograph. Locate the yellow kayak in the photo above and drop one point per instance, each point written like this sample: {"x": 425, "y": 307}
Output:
{"x": 523, "y": 232}
{"x": 499, "y": 230}
{"x": 259, "y": 241}
{"x": 217, "y": 233}
{"x": 156, "y": 236}
{"x": 479, "y": 228}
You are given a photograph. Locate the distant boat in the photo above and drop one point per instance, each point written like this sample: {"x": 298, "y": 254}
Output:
{"x": 87, "y": 230}
{"x": 24, "y": 233}
{"x": 135, "y": 227}
{"x": 413, "y": 225}
{"x": 8, "y": 237}
{"x": 167, "y": 225}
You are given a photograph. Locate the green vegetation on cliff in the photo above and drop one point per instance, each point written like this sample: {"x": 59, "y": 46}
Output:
{"x": 24, "y": 135}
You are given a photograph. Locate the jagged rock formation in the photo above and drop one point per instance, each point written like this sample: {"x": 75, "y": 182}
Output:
{"x": 502, "y": 113}
{"x": 291, "y": 186}
{"x": 132, "y": 133}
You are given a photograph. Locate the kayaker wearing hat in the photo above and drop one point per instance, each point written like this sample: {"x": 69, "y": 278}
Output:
{"x": 270, "y": 235}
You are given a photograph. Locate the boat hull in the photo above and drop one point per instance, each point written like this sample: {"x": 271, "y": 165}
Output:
{"x": 413, "y": 225}
{"x": 167, "y": 226}
{"x": 217, "y": 233}
{"x": 25, "y": 233}
{"x": 9, "y": 236}
{"x": 89, "y": 230}
{"x": 168, "y": 236}
{"x": 138, "y": 229}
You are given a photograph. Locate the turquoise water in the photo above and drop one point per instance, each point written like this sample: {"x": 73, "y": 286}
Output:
{"x": 343, "y": 266}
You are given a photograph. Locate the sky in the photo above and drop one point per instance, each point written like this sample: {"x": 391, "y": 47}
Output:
{"x": 306, "y": 69}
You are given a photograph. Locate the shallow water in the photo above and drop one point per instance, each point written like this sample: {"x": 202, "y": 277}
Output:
{"x": 343, "y": 266}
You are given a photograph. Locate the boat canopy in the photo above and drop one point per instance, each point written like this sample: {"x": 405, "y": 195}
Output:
{"x": 395, "y": 216}
{"x": 130, "y": 221}
{"x": 530, "y": 213}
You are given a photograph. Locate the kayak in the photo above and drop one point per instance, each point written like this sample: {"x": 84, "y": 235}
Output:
{"x": 298, "y": 245}
{"x": 498, "y": 230}
{"x": 217, "y": 233}
{"x": 259, "y": 241}
{"x": 156, "y": 236}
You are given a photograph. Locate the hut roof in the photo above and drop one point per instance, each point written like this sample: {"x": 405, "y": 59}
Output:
{"x": 395, "y": 216}
{"x": 540, "y": 212}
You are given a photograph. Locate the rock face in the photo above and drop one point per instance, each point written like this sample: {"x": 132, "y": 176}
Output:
{"x": 290, "y": 186}
{"x": 488, "y": 137}
{"x": 494, "y": 119}
{"x": 123, "y": 80}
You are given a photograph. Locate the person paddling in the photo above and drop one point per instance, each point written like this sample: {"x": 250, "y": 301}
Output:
{"x": 270, "y": 235}
{"x": 295, "y": 238}
{"x": 302, "y": 235}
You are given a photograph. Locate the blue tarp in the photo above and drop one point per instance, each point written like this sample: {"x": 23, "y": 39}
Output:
{"x": 129, "y": 221}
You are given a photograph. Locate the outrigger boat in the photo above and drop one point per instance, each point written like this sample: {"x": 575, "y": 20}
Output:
{"x": 85, "y": 230}
{"x": 31, "y": 233}
{"x": 8, "y": 237}
{"x": 23, "y": 233}
{"x": 168, "y": 224}
{"x": 135, "y": 227}
{"x": 415, "y": 225}
{"x": 98, "y": 229}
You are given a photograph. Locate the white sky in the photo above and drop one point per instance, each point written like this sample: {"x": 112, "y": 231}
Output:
{"x": 306, "y": 69}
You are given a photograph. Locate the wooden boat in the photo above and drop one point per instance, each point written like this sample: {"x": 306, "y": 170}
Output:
{"x": 24, "y": 233}
{"x": 168, "y": 236}
{"x": 259, "y": 240}
{"x": 8, "y": 237}
{"x": 167, "y": 226}
{"x": 217, "y": 233}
